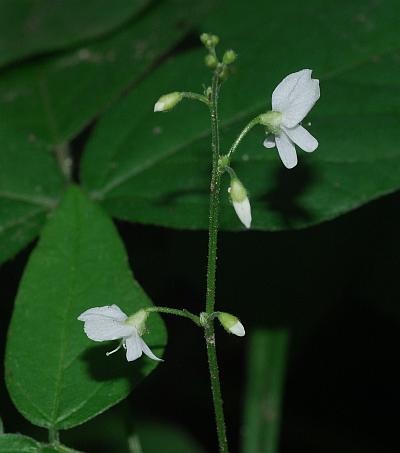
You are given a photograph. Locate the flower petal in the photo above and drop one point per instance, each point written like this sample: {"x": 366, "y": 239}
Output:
{"x": 99, "y": 328}
{"x": 238, "y": 329}
{"x": 269, "y": 142}
{"x": 148, "y": 352}
{"x": 243, "y": 211}
{"x": 302, "y": 138}
{"x": 286, "y": 150}
{"x": 287, "y": 87}
{"x": 133, "y": 347}
{"x": 295, "y": 96}
{"x": 105, "y": 323}
{"x": 109, "y": 311}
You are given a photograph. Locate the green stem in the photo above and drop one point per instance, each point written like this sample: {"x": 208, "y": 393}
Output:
{"x": 54, "y": 437}
{"x": 196, "y": 97}
{"x": 64, "y": 160}
{"x": 244, "y": 132}
{"x": 211, "y": 270}
{"x": 174, "y": 311}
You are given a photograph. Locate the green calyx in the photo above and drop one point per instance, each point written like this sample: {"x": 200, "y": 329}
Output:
{"x": 237, "y": 191}
{"x": 138, "y": 320}
{"x": 271, "y": 120}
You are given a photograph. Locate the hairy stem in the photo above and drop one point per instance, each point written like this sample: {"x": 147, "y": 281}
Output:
{"x": 175, "y": 311}
{"x": 196, "y": 97}
{"x": 211, "y": 271}
{"x": 244, "y": 132}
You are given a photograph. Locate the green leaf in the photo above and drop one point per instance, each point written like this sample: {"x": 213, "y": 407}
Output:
{"x": 52, "y": 99}
{"x": 30, "y": 27}
{"x": 17, "y": 443}
{"x": 265, "y": 378}
{"x": 158, "y": 169}
{"x": 153, "y": 436}
{"x": 56, "y": 376}
{"x": 1, "y": 426}
{"x": 30, "y": 185}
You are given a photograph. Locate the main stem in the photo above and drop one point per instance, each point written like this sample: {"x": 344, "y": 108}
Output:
{"x": 211, "y": 271}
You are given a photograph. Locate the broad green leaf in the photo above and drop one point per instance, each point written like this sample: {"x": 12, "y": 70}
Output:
{"x": 52, "y": 99}
{"x": 55, "y": 375}
{"x": 36, "y": 26}
{"x": 30, "y": 185}
{"x": 17, "y": 443}
{"x": 158, "y": 169}
{"x": 265, "y": 378}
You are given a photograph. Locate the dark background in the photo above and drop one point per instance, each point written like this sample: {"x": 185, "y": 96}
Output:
{"x": 335, "y": 286}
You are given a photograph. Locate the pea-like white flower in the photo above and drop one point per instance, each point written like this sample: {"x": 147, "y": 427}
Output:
{"x": 111, "y": 323}
{"x": 292, "y": 99}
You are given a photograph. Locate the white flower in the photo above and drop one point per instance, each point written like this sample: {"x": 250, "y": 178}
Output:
{"x": 111, "y": 323}
{"x": 292, "y": 99}
{"x": 240, "y": 201}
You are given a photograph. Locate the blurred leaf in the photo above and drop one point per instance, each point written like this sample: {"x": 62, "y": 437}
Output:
{"x": 30, "y": 185}
{"x": 154, "y": 437}
{"x": 17, "y": 443}
{"x": 265, "y": 378}
{"x": 157, "y": 171}
{"x": 1, "y": 426}
{"x": 36, "y": 26}
{"x": 53, "y": 98}
{"x": 55, "y": 375}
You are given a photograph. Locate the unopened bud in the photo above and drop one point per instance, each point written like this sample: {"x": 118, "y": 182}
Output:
{"x": 209, "y": 40}
{"x": 229, "y": 57}
{"x": 231, "y": 324}
{"x": 168, "y": 101}
{"x": 240, "y": 201}
{"x": 211, "y": 61}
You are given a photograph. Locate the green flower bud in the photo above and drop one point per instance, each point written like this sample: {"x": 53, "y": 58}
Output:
{"x": 211, "y": 61}
{"x": 237, "y": 191}
{"x": 240, "y": 201}
{"x": 209, "y": 41}
{"x": 231, "y": 324}
{"x": 229, "y": 57}
{"x": 168, "y": 101}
